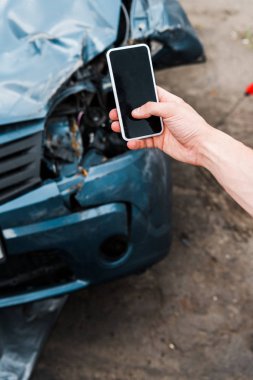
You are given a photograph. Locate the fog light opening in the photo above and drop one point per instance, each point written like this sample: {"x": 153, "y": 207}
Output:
{"x": 114, "y": 248}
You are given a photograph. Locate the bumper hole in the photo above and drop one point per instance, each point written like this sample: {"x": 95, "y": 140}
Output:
{"x": 114, "y": 248}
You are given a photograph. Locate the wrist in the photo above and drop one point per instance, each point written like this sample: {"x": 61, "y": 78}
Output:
{"x": 212, "y": 147}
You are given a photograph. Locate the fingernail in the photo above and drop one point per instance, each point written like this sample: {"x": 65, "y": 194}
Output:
{"x": 136, "y": 111}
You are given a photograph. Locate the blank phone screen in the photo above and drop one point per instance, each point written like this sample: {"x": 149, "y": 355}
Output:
{"x": 134, "y": 86}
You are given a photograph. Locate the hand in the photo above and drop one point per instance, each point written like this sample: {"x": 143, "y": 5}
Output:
{"x": 184, "y": 129}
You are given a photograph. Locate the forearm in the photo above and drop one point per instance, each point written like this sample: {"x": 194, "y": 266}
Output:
{"x": 231, "y": 163}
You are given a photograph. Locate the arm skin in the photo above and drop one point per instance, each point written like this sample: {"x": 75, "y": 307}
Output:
{"x": 231, "y": 163}
{"x": 187, "y": 137}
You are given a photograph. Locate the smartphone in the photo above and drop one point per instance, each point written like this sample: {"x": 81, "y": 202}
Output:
{"x": 133, "y": 84}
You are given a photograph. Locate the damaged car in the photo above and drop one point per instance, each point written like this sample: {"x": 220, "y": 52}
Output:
{"x": 76, "y": 206}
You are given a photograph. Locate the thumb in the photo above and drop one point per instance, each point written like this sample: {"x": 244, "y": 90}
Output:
{"x": 154, "y": 109}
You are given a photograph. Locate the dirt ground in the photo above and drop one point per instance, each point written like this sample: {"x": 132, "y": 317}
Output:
{"x": 190, "y": 316}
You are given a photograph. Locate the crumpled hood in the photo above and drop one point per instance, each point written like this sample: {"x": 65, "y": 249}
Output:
{"x": 42, "y": 43}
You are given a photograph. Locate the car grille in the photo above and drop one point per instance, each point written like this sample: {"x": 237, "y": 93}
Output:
{"x": 32, "y": 272}
{"x": 19, "y": 165}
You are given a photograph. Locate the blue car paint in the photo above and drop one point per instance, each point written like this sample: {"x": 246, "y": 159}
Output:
{"x": 44, "y": 293}
{"x": 136, "y": 182}
{"x": 42, "y": 44}
{"x": 128, "y": 195}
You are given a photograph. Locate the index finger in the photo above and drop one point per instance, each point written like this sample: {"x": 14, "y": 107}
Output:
{"x": 166, "y": 96}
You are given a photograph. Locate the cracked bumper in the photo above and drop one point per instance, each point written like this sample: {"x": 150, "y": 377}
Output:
{"x": 127, "y": 196}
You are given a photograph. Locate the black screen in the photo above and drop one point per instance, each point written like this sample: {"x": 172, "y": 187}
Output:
{"x": 134, "y": 85}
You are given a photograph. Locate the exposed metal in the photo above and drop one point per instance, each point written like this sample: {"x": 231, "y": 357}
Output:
{"x": 23, "y": 331}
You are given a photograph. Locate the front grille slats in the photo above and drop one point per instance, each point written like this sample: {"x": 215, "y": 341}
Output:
{"x": 19, "y": 165}
{"x": 17, "y": 175}
{"x": 33, "y": 272}
{"x": 12, "y": 163}
{"x": 18, "y": 145}
{"x": 13, "y": 191}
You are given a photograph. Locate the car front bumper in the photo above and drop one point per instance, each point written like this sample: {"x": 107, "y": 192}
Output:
{"x": 123, "y": 204}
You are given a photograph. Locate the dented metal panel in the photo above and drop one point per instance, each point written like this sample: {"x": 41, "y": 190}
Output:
{"x": 23, "y": 331}
{"x": 156, "y": 16}
{"x": 128, "y": 196}
{"x": 42, "y": 43}
{"x": 166, "y": 23}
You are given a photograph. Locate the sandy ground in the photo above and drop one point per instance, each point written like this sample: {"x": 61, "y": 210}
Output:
{"x": 190, "y": 316}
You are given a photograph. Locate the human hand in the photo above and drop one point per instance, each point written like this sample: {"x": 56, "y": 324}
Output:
{"x": 184, "y": 129}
